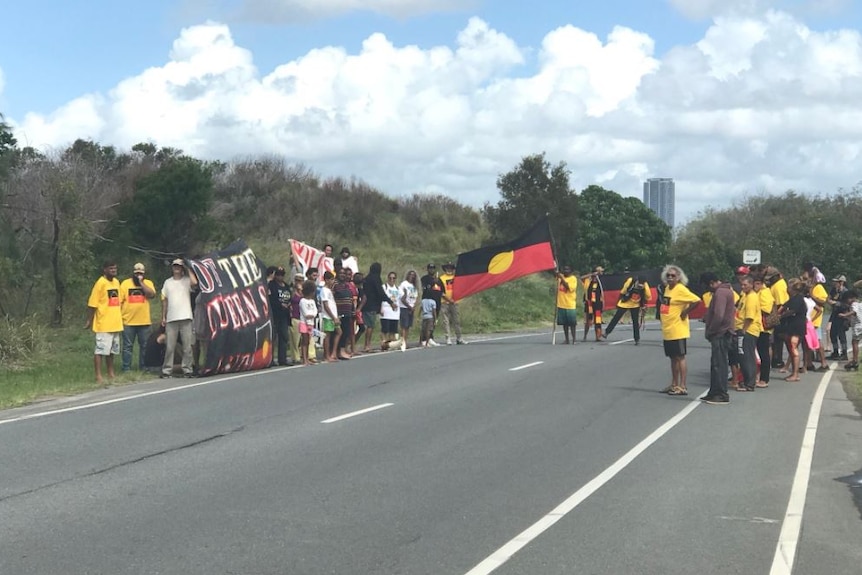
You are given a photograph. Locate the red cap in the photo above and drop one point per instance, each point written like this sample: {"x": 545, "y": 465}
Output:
{"x": 742, "y": 271}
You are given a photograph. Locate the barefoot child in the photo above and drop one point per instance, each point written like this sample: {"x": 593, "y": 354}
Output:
{"x": 329, "y": 316}
{"x": 307, "y": 312}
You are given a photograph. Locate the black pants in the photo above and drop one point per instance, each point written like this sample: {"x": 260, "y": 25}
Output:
{"x": 281, "y": 333}
{"x": 838, "y": 335}
{"x": 764, "y": 345}
{"x": 778, "y": 348}
{"x": 346, "y": 330}
{"x": 636, "y": 320}
{"x": 718, "y": 365}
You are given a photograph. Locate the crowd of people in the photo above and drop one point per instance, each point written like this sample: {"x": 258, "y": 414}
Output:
{"x": 336, "y": 312}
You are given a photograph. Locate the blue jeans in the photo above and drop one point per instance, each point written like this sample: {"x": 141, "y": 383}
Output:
{"x": 130, "y": 333}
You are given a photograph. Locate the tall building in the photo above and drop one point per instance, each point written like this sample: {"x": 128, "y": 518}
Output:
{"x": 660, "y": 197}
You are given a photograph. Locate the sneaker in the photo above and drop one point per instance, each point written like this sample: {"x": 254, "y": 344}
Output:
{"x": 835, "y": 354}
{"x": 448, "y": 341}
{"x": 715, "y": 400}
{"x": 461, "y": 342}
{"x": 433, "y": 343}
{"x": 843, "y": 356}
{"x": 403, "y": 345}
{"x": 165, "y": 376}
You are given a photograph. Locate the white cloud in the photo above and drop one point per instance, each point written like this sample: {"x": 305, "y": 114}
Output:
{"x": 706, "y": 9}
{"x": 760, "y": 102}
{"x": 303, "y": 10}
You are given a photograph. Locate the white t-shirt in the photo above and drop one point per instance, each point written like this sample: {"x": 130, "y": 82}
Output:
{"x": 386, "y": 311}
{"x": 410, "y": 290}
{"x": 178, "y": 293}
{"x": 307, "y": 310}
{"x": 350, "y": 263}
{"x": 809, "y": 303}
{"x": 326, "y": 296}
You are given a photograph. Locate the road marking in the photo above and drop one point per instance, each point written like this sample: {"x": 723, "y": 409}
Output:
{"x": 621, "y": 341}
{"x": 504, "y": 553}
{"x": 788, "y": 538}
{"x": 355, "y": 413}
{"x": 520, "y": 367}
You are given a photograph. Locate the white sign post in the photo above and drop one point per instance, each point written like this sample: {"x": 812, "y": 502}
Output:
{"x": 751, "y": 257}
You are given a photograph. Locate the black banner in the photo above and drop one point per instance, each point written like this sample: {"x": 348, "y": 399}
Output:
{"x": 232, "y": 315}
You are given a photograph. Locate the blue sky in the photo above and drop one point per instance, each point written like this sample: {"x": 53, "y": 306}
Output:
{"x": 54, "y": 50}
{"x": 729, "y": 97}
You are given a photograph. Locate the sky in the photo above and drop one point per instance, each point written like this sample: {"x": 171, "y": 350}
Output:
{"x": 731, "y": 98}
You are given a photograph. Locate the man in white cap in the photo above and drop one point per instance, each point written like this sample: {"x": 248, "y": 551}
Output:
{"x": 177, "y": 316}
{"x": 135, "y": 295}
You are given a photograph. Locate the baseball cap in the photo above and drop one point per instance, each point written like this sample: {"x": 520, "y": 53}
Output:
{"x": 431, "y": 266}
{"x": 139, "y": 267}
{"x": 279, "y": 271}
{"x": 742, "y": 270}
{"x": 841, "y": 278}
{"x": 448, "y": 265}
{"x": 178, "y": 262}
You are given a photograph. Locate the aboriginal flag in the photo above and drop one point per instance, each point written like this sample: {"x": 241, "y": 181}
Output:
{"x": 494, "y": 265}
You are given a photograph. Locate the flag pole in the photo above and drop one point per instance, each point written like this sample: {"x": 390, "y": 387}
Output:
{"x": 556, "y": 281}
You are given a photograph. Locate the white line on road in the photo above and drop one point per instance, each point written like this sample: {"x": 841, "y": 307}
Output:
{"x": 504, "y": 553}
{"x": 621, "y": 341}
{"x": 788, "y": 539}
{"x": 355, "y": 413}
{"x": 520, "y": 367}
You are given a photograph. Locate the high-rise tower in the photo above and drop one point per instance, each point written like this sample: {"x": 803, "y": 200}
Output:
{"x": 660, "y": 197}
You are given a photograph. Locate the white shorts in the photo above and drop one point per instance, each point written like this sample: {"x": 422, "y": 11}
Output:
{"x": 108, "y": 343}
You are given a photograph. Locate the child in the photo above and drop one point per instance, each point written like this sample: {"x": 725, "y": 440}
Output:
{"x": 429, "y": 311}
{"x": 329, "y": 318}
{"x": 854, "y": 314}
{"x": 307, "y": 313}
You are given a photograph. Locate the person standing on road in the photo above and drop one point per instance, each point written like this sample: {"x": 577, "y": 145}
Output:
{"x": 389, "y": 312}
{"x": 451, "y": 317}
{"x": 567, "y": 303}
{"x": 177, "y": 316}
{"x": 135, "y": 295}
{"x": 634, "y": 297}
{"x": 719, "y": 321}
{"x": 764, "y": 341}
{"x": 105, "y": 318}
{"x": 748, "y": 327}
{"x": 432, "y": 288}
{"x": 676, "y": 304}
{"x": 373, "y": 299}
{"x": 594, "y": 300}
{"x": 837, "y": 327}
{"x": 279, "y": 303}
{"x": 407, "y": 296}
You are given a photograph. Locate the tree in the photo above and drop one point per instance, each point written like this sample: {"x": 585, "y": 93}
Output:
{"x": 530, "y": 191}
{"x": 169, "y": 211}
{"x": 618, "y": 232}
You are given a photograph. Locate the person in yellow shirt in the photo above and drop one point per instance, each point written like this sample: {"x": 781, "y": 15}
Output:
{"x": 634, "y": 296}
{"x": 105, "y": 319}
{"x": 778, "y": 286}
{"x": 764, "y": 341}
{"x": 818, "y": 293}
{"x": 135, "y": 295}
{"x": 451, "y": 316}
{"x": 567, "y": 302}
{"x": 594, "y": 301}
{"x": 748, "y": 329}
{"x": 676, "y": 303}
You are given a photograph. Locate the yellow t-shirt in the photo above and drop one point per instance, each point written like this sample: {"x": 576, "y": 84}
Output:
{"x": 448, "y": 281}
{"x": 767, "y": 302}
{"x": 635, "y": 300}
{"x": 134, "y": 304}
{"x": 105, "y": 299}
{"x": 748, "y": 307}
{"x": 707, "y": 297}
{"x": 567, "y": 299}
{"x": 779, "y": 292}
{"x": 673, "y": 303}
{"x": 818, "y": 292}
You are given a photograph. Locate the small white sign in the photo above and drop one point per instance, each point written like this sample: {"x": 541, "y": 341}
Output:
{"x": 751, "y": 257}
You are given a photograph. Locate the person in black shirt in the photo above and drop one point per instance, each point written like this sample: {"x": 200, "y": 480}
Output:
{"x": 370, "y": 301}
{"x": 794, "y": 316}
{"x": 279, "y": 303}
{"x": 432, "y": 288}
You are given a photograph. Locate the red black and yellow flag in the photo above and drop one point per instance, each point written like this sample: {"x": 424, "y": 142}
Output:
{"x": 494, "y": 265}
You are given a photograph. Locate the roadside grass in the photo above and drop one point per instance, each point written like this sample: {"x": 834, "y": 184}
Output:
{"x": 852, "y": 383}
{"x": 51, "y": 362}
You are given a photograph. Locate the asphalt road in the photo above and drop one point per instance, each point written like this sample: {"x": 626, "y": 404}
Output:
{"x": 573, "y": 463}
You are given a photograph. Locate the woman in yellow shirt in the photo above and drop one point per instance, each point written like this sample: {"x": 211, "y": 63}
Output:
{"x": 676, "y": 303}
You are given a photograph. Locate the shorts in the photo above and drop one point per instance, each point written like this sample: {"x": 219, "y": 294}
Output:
{"x": 328, "y": 325}
{"x": 304, "y": 327}
{"x": 108, "y": 343}
{"x": 567, "y": 316}
{"x": 389, "y": 325}
{"x": 369, "y": 318}
{"x": 406, "y": 318}
{"x": 674, "y": 347}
